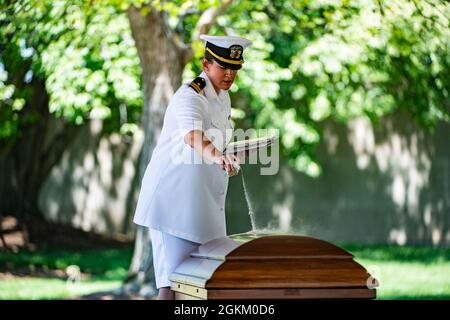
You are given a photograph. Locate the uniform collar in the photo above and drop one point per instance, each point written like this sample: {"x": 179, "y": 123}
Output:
{"x": 209, "y": 90}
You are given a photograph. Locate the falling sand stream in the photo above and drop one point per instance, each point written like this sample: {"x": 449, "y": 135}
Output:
{"x": 251, "y": 212}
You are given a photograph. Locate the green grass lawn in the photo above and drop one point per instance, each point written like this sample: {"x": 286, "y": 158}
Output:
{"x": 45, "y": 288}
{"x": 404, "y": 272}
{"x": 103, "y": 270}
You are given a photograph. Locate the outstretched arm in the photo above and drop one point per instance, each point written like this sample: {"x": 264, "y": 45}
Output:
{"x": 197, "y": 140}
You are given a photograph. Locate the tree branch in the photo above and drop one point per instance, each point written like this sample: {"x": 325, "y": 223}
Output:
{"x": 209, "y": 17}
{"x": 380, "y": 6}
{"x": 422, "y": 14}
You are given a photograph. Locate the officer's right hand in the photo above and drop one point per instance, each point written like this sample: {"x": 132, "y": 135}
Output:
{"x": 228, "y": 163}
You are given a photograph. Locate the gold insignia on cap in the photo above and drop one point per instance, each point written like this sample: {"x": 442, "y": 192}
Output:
{"x": 235, "y": 52}
{"x": 223, "y": 59}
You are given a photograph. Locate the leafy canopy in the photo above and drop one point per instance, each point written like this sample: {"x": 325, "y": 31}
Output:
{"x": 311, "y": 61}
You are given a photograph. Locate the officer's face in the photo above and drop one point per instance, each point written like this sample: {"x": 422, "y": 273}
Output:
{"x": 221, "y": 78}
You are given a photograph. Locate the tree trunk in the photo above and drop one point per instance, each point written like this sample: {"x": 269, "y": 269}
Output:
{"x": 162, "y": 62}
{"x": 163, "y": 58}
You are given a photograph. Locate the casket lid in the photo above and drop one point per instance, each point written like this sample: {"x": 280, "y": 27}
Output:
{"x": 287, "y": 247}
{"x": 274, "y": 261}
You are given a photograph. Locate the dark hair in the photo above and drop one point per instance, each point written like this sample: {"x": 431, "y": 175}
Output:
{"x": 208, "y": 56}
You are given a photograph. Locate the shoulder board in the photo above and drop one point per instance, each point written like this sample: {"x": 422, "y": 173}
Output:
{"x": 198, "y": 84}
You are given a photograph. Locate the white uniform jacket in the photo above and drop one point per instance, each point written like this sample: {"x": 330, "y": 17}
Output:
{"x": 181, "y": 194}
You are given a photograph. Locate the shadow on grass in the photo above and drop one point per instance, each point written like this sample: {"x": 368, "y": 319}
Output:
{"x": 107, "y": 264}
{"x": 426, "y": 255}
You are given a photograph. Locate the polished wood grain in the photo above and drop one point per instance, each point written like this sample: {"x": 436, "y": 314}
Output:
{"x": 288, "y": 273}
{"x": 286, "y": 267}
{"x": 287, "y": 247}
{"x": 285, "y": 294}
{"x": 288, "y": 294}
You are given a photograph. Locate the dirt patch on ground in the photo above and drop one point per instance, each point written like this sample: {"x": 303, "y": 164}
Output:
{"x": 10, "y": 273}
{"x": 113, "y": 295}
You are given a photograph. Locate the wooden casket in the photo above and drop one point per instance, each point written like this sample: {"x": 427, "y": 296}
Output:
{"x": 271, "y": 267}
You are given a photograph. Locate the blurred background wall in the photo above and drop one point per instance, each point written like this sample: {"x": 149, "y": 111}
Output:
{"x": 387, "y": 183}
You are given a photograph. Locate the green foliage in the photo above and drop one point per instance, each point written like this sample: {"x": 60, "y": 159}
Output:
{"x": 311, "y": 61}
{"x": 317, "y": 60}
{"x": 86, "y": 57}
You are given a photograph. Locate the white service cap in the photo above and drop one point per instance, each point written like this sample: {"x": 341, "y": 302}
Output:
{"x": 226, "y": 41}
{"x": 226, "y": 50}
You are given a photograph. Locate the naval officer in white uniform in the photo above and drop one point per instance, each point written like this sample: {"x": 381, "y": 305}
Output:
{"x": 183, "y": 191}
